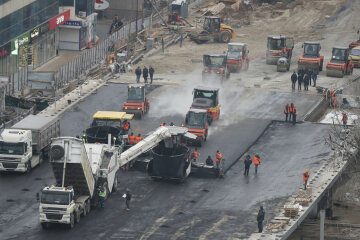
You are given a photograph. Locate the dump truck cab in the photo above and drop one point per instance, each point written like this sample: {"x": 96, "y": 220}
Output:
{"x": 207, "y": 99}
{"x": 196, "y": 121}
{"x": 340, "y": 63}
{"x": 107, "y": 122}
{"x": 278, "y": 46}
{"x": 355, "y": 56}
{"x": 237, "y": 57}
{"x": 215, "y": 66}
{"x": 136, "y": 103}
{"x": 311, "y": 59}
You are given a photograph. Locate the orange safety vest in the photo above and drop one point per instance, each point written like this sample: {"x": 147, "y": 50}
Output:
{"x": 344, "y": 118}
{"x": 305, "y": 176}
{"x": 126, "y": 125}
{"x": 286, "y": 111}
{"x": 195, "y": 155}
{"x": 218, "y": 157}
{"x": 138, "y": 139}
{"x": 257, "y": 160}
{"x": 291, "y": 109}
{"x": 132, "y": 139}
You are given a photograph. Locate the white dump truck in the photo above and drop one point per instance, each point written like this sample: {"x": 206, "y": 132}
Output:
{"x": 27, "y": 143}
{"x": 80, "y": 170}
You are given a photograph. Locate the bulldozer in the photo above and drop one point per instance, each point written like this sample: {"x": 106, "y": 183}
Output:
{"x": 340, "y": 63}
{"x": 311, "y": 59}
{"x": 212, "y": 29}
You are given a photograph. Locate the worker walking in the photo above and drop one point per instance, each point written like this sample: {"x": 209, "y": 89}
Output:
{"x": 314, "y": 77}
{"x": 260, "y": 218}
{"x": 132, "y": 139}
{"x": 145, "y": 74}
{"x": 257, "y": 162}
{"x": 127, "y": 199}
{"x": 218, "y": 158}
{"x": 294, "y": 116}
{"x": 194, "y": 155}
{"x": 138, "y": 138}
{"x": 209, "y": 161}
{"x": 247, "y": 163}
{"x": 286, "y": 112}
{"x": 293, "y": 80}
{"x": 306, "y": 82}
{"x": 306, "y": 177}
{"x": 151, "y": 72}
{"x": 101, "y": 196}
{"x": 138, "y": 74}
{"x": 84, "y": 138}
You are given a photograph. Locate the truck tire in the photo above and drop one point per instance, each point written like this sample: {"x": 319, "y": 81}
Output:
{"x": 77, "y": 216}
{"x": 45, "y": 225}
{"x": 225, "y": 37}
{"x": 72, "y": 221}
{"x": 57, "y": 152}
{"x": 28, "y": 166}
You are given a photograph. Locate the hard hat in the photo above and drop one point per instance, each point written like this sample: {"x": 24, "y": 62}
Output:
{"x": 307, "y": 170}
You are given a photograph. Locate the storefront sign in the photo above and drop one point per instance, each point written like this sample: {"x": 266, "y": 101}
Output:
{"x": 34, "y": 34}
{"x": 18, "y": 42}
{"x": 73, "y": 23}
{"x": 59, "y": 19}
{"x": 5, "y": 50}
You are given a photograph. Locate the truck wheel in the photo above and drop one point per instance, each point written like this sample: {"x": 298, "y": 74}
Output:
{"x": 72, "y": 221}
{"x": 28, "y": 166}
{"x": 77, "y": 216}
{"x": 225, "y": 37}
{"x": 45, "y": 225}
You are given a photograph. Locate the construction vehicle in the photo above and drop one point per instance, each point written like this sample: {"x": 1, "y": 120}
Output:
{"x": 340, "y": 63}
{"x": 196, "y": 121}
{"x": 215, "y": 67}
{"x": 283, "y": 65}
{"x": 277, "y": 47}
{"x": 355, "y": 56}
{"x": 26, "y": 144}
{"x": 311, "y": 60}
{"x": 80, "y": 170}
{"x": 137, "y": 103}
{"x": 107, "y": 122}
{"x": 178, "y": 12}
{"x": 208, "y": 99}
{"x": 212, "y": 29}
{"x": 355, "y": 43}
{"x": 237, "y": 57}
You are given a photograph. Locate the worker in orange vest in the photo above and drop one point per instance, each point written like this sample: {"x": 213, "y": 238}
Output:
{"x": 257, "y": 162}
{"x": 132, "y": 139}
{"x": 294, "y": 113}
{"x": 194, "y": 155}
{"x": 126, "y": 126}
{"x": 163, "y": 124}
{"x": 218, "y": 158}
{"x": 306, "y": 177}
{"x": 344, "y": 118}
{"x": 138, "y": 138}
{"x": 286, "y": 112}
{"x": 291, "y": 111}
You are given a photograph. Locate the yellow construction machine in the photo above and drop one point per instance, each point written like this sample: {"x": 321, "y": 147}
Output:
{"x": 212, "y": 29}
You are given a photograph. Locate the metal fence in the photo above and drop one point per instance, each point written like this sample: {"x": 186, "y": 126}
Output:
{"x": 94, "y": 56}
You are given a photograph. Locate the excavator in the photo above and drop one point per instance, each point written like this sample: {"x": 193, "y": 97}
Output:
{"x": 340, "y": 63}
{"x": 311, "y": 58}
{"x": 196, "y": 121}
{"x": 276, "y": 48}
{"x": 207, "y": 99}
{"x": 212, "y": 29}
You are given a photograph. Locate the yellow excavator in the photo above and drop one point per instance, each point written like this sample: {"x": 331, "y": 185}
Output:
{"x": 212, "y": 29}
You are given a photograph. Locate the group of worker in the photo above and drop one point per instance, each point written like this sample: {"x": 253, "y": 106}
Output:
{"x": 290, "y": 112}
{"x": 145, "y": 72}
{"x": 209, "y": 161}
{"x": 102, "y": 195}
{"x": 248, "y": 162}
{"x": 331, "y": 97}
{"x": 134, "y": 139}
{"x": 303, "y": 77}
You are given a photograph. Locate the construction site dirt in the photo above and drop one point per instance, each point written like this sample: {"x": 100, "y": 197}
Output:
{"x": 251, "y": 121}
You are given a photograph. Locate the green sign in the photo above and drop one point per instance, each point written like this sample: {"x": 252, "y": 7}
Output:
{"x": 18, "y": 42}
